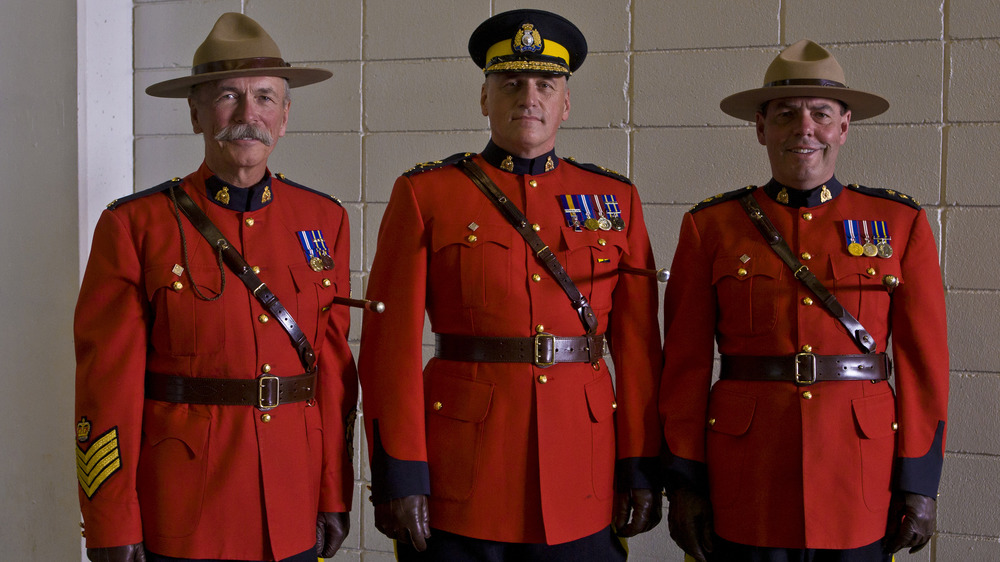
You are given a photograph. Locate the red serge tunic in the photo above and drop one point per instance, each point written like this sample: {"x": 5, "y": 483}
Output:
{"x": 209, "y": 481}
{"x": 508, "y": 451}
{"x": 791, "y": 466}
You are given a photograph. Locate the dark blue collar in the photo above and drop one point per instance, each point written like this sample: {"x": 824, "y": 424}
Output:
{"x": 791, "y": 197}
{"x": 240, "y": 199}
{"x": 500, "y": 158}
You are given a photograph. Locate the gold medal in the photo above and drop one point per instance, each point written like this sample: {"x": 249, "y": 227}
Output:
{"x": 870, "y": 250}
{"x": 591, "y": 224}
{"x": 856, "y": 249}
{"x": 316, "y": 263}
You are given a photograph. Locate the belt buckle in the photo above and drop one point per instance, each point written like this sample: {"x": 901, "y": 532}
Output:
{"x": 267, "y": 390}
{"x": 550, "y": 357}
{"x": 805, "y": 379}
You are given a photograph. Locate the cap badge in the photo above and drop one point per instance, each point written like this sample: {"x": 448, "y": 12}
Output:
{"x": 527, "y": 40}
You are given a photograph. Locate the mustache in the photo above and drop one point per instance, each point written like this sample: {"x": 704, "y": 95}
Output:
{"x": 242, "y": 131}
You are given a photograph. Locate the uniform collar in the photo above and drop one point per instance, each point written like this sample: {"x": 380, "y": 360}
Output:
{"x": 240, "y": 199}
{"x": 790, "y": 197}
{"x": 500, "y": 158}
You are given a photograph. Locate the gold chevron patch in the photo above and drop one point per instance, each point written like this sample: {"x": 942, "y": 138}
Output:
{"x": 101, "y": 460}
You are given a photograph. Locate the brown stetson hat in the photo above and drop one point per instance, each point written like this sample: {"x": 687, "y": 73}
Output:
{"x": 804, "y": 69}
{"x": 237, "y": 46}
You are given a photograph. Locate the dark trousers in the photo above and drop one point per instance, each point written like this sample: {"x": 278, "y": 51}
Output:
{"x": 603, "y": 546}
{"x": 726, "y": 551}
{"x": 307, "y": 556}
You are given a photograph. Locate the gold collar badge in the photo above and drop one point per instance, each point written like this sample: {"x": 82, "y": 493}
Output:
{"x": 507, "y": 164}
{"x": 222, "y": 196}
{"x": 267, "y": 194}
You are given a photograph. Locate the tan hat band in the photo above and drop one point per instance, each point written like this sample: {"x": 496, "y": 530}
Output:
{"x": 805, "y": 82}
{"x": 238, "y": 64}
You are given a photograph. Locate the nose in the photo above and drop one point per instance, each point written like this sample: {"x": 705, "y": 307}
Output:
{"x": 803, "y": 123}
{"x": 244, "y": 110}
{"x": 528, "y": 96}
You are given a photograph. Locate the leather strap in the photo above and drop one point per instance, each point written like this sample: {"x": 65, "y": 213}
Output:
{"x": 264, "y": 392}
{"x": 542, "y": 350}
{"x": 861, "y": 337}
{"x": 243, "y": 270}
{"x": 542, "y": 251}
{"x": 806, "y": 368}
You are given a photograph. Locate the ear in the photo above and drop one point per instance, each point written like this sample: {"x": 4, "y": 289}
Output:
{"x": 194, "y": 116}
{"x": 284, "y": 119}
{"x": 482, "y": 101}
{"x": 566, "y": 104}
{"x": 844, "y": 126}
{"x": 760, "y": 127}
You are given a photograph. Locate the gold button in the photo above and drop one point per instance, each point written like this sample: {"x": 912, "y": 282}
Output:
{"x": 741, "y": 272}
{"x": 807, "y": 395}
{"x": 807, "y": 216}
{"x": 533, "y": 183}
{"x": 437, "y": 405}
{"x": 539, "y": 328}
{"x": 471, "y": 238}
{"x": 249, "y": 221}
{"x": 871, "y": 271}
{"x": 263, "y": 319}
{"x": 806, "y": 256}
{"x": 602, "y": 242}
{"x": 895, "y": 426}
{"x": 807, "y": 301}
{"x": 711, "y": 422}
{"x": 614, "y": 405}
{"x": 256, "y": 270}
{"x": 807, "y": 348}
{"x": 890, "y": 281}
{"x": 536, "y": 227}
{"x": 536, "y": 277}
{"x": 265, "y": 418}
{"x": 178, "y": 286}
{"x": 543, "y": 379}
{"x": 327, "y": 282}
{"x": 265, "y": 368}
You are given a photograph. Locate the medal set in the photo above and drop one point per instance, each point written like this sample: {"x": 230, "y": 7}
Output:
{"x": 317, "y": 254}
{"x": 867, "y": 238}
{"x": 593, "y": 212}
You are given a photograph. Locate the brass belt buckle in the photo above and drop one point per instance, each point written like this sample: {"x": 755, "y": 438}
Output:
{"x": 544, "y": 350}
{"x": 809, "y": 377}
{"x": 267, "y": 392}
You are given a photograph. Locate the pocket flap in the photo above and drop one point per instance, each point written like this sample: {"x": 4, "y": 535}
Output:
{"x": 734, "y": 266}
{"x": 601, "y": 398}
{"x": 446, "y": 233}
{"x": 162, "y": 421}
{"x": 458, "y": 398}
{"x": 875, "y": 415}
{"x": 731, "y": 412}
{"x": 574, "y": 240}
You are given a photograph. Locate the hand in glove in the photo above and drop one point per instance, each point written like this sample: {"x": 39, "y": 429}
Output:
{"x": 331, "y": 530}
{"x": 911, "y": 522}
{"x": 690, "y": 522}
{"x": 126, "y": 553}
{"x": 405, "y": 519}
{"x": 644, "y": 506}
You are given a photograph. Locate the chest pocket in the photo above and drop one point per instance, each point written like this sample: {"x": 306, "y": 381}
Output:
{"x": 314, "y": 291}
{"x": 183, "y": 324}
{"x": 591, "y": 260}
{"x": 858, "y": 284}
{"x": 475, "y": 264}
{"x": 747, "y": 292}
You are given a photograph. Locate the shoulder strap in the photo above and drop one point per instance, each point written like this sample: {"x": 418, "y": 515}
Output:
{"x": 858, "y": 333}
{"x": 542, "y": 252}
{"x": 243, "y": 270}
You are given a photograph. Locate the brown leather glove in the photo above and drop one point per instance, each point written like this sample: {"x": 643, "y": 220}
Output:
{"x": 645, "y": 507}
{"x": 405, "y": 519}
{"x": 911, "y": 524}
{"x": 127, "y": 553}
{"x": 331, "y": 530}
{"x": 690, "y": 521}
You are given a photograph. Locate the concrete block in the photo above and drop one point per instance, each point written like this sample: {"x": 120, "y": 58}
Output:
{"x": 333, "y": 105}
{"x": 972, "y": 245}
{"x": 972, "y": 327}
{"x": 158, "y": 159}
{"x": 598, "y": 92}
{"x": 604, "y": 147}
{"x": 973, "y": 80}
{"x": 387, "y": 155}
{"x": 167, "y": 33}
{"x": 328, "y": 162}
{"x": 407, "y": 30}
{"x": 973, "y": 19}
{"x": 604, "y": 24}
{"x": 874, "y": 156}
{"x": 967, "y": 497}
{"x": 682, "y": 165}
{"x": 863, "y": 21}
{"x": 970, "y": 429}
{"x": 355, "y": 213}
{"x": 654, "y": 545}
{"x": 434, "y": 95}
{"x": 312, "y": 30}
{"x": 378, "y": 557}
{"x": 159, "y": 116}
{"x": 663, "y": 222}
{"x": 971, "y": 163}
{"x": 966, "y": 548}
{"x": 706, "y": 24}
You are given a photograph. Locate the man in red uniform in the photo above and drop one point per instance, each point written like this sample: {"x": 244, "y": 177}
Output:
{"x": 203, "y": 433}
{"x": 803, "y": 450}
{"x": 514, "y": 442}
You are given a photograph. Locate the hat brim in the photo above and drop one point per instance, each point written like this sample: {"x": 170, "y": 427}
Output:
{"x": 744, "y": 105}
{"x": 181, "y": 87}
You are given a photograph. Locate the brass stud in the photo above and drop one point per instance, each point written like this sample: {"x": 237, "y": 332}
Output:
{"x": 471, "y": 238}
{"x": 256, "y": 269}
{"x": 327, "y": 282}
{"x": 249, "y": 221}
{"x": 807, "y": 301}
{"x": 539, "y": 328}
{"x": 265, "y": 418}
{"x": 536, "y": 227}
{"x": 807, "y": 395}
{"x": 265, "y": 368}
{"x": 178, "y": 286}
{"x": 871, "y": 271}
{"x": 895, "y": 426}
{"x": 263, "y": 319}
{"x": 807, "y": 348}
{"x": 806, "y": 256}
{"x": 741, "y": 272}
{"x": 602, "y": 242}
{"x": 536, "y": 277}
{"x": 533, "y": 183}
{"x": 711, "y": 422}
{"x": 614, "y": 405}
{"x": 807, "y": 216}
{"x": 437, "y": 405}
{"x": 543, "y": 379}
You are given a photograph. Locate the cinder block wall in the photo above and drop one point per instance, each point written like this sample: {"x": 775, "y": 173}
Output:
{"x": 646, "y": 104}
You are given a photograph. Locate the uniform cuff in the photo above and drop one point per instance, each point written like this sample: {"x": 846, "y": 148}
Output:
{"x": 393, "y": 478}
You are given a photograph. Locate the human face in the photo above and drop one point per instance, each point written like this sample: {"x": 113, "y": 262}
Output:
{"x": 525, "y": 110}
{"x": 259, "y": 104}
{"x": 803, "y": 136}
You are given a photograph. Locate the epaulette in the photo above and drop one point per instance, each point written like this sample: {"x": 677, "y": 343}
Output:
{"x": 722, "y": 197}
{"x": 435, "y": 164}
{"x": 284, "y": 179}
{"x": 890, "y": 194}
{"x": 153, "y": 190}
{"x": 598, "y": 170}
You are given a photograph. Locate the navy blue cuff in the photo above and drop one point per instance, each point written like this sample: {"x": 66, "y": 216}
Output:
{"x": 393, "y": 478}
{"x": 683, "y": 473}
{"x": 921, "y": 475}
{"x": 637, "y": 473}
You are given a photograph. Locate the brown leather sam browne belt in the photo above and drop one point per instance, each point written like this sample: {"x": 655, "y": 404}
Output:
{"x": 264, "y": 392}
{"x": 807, "y": 368}
{"x": 542, "y": 350}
